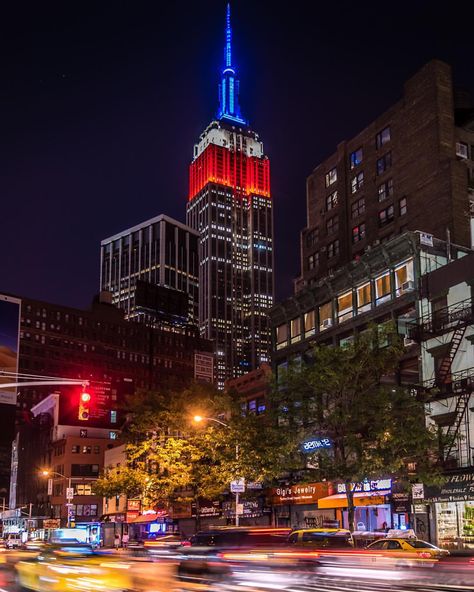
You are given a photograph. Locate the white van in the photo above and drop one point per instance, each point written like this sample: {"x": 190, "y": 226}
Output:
{"x": 13, "y": 541}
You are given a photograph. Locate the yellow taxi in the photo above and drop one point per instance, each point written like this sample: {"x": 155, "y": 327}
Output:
{"x": 73, "y": 567}
{"x": 407, "y": 547}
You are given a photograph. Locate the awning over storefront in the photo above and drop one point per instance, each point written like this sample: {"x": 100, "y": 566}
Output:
{"x": 362, "y": 498}
{"x": 146, "y": 518}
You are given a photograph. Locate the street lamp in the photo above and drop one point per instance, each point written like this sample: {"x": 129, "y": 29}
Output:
{"x": 199, "y": 419}
{"x": 48, "y": 473}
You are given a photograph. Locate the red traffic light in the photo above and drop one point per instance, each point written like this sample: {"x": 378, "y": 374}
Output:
{"x": 85, "y": 397}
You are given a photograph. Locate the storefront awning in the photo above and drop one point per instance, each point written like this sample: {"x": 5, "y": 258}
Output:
{"x": 145, "y": 518}
{"x": 362, "y": 498}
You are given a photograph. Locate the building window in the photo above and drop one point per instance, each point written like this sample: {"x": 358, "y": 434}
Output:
{"x": 86, "y": 450}
{"x": 364, "y": 297}
{"x": 331, "y": 201}
{"x": 358, "y": 207}
{"x": 382, "y": 137}
{"x": 281, "y": 335}
{"x": 83, "y": 489}
{"x": 357, "y": 182}
{"x": 261, "y": 406}
{"x": 313, "y": 261}
{"x": 385, "y": 190}
{"x": 96, "y": 449}
{"x": 382, "y": 288}
{"x": 309, "y": 323}
{"x": 332, "y": 225}
{"x": 358, "y": 233}
{"x": 344, "y": 306}
{"x": 331, "y": 177}
{"x": 333, "y": 249}
{"x": 325, "y": 316}
{"x": 404, "y": 278}
{"x": 402, "y": 205}
{"x": 386, "y": 216}
{"x": 113, "y": 435}
{"x": 312, "y": 237}
{"x": 113, "y": 416}
{"x": 462, "y": 150}
{"x": 384, "y": 163}
{"x": 356, "y": 158}
{"x": 76, "y": 449}
{"x": 295, "y": 329}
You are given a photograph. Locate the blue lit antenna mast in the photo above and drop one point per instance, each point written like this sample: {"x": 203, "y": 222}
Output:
{"x": 229, "y": 108}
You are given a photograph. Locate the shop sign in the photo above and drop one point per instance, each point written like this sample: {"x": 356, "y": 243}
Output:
{"x": 307, "y": 493}
{"x": 250, "y": 509}
{"x": 419, "y": 508}
{"x": 132, "y": 514}
{"x": 117, "y": 518}
{"x": 133, "y": 504}
{"x": 368, "y": 486}
{"x": 207, "y": 509}
{"x": 180, "y": 510}
{"x": 458, "y": 488}
{"x": 418, "y": 491}
{"x": 314, "y": 444}
{"x": 254, "y": 485}
{"x": 52, "y": 523}
{"x": 401, "y": 502}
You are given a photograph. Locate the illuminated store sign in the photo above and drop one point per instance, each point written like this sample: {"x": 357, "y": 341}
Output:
{"x": 314, "y": 444}
{"x": 377, "y": 485}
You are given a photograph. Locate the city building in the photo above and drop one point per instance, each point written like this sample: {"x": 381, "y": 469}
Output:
{"x": 445, "y": 330}
{"x": 252, "y": 389}
{"x": 151, "y": 270}
{"x": 229, "y": 204}
{"x": 412, "y": 168}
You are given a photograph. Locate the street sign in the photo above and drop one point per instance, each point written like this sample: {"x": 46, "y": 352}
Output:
{"x": 237, "y": 486}
{"x": 239, "y": 509}
{"x": 418, "y": 491}
{"x": 69, "y": 493}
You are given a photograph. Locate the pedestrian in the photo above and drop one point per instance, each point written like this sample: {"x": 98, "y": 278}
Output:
{"x": 117, "y": 542}
{"x": 125, "y": 539}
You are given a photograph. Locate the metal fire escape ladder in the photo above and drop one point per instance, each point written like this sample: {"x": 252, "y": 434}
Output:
{"x": 453, "y": 430}
{"x": 447, "y": 362}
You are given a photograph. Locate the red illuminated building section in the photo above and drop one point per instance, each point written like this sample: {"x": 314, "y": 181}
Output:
{"x": 248, "y": 175}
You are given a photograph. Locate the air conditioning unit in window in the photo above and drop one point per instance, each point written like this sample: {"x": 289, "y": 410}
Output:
{"x": 327, "y": 323}
{"x": 407, "y": 341}
{"x": 461, "y": 150}
{"x": 407, "y": 287}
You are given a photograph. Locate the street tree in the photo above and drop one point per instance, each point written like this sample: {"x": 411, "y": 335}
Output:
{"x": 349, "y": 395}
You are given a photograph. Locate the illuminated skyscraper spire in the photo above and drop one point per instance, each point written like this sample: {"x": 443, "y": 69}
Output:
{"x": 229, "y": 107}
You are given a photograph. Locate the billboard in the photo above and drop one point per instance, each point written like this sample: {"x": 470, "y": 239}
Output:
{"x": 9, "y": 344}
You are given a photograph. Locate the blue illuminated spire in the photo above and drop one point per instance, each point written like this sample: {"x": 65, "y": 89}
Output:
{"x": 229, "y": 107}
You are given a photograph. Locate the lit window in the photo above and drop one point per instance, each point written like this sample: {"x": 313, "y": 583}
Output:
{"x": 356, "y": 158}
{"x": 382, "y": 288}
{"x": 331, "y": 177}
{"x": 325, "y": 316}
{"x": 295, "y": 329}
{"x": 358, "y": 233}
{"x": 385, "y": 190}
{"x": 402, "y": 205}
{"x": 113, "y": 416}
{"x": 313, "y": 261}
{"x": 331, "y": 201}
{"x": 382, "y": 137}
{"x": 344, "y": 306}
{"x": 384, "y": 163}
{"x": 281, "y": 335}
{"x": 309, "y": 322}
{"x": 358, "y": 208}
{"x": 404, "y": 278}
{"x": 113, "y": 435}
{"x": 357, "y": 182}
{"x": 364, "y": 297}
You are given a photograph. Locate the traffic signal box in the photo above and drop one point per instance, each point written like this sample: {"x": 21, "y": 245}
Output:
{"x": 84, "y": 406}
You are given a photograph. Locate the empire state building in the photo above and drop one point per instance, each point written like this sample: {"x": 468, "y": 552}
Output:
{"x": 229, "y": 204}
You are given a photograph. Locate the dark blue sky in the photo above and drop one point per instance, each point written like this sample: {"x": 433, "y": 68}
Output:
{"x": 101, "y": 103}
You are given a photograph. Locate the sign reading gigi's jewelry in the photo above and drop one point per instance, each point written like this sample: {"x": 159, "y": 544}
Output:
{"x": 313, "y": 444}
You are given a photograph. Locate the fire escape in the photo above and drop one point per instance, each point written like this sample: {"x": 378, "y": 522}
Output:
{"x": 453, "y": 321}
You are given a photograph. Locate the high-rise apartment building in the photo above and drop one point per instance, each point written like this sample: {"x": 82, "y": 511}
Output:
{"x": 230, "y": 206}
{"x": 151, "y": 271}
{"x": 412, "y": 168}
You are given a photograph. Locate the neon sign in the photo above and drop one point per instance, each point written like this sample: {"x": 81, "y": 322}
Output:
{"x": 314, "y": 444}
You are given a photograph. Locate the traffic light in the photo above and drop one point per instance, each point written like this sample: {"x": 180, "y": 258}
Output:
{"x": 84, "y": 406}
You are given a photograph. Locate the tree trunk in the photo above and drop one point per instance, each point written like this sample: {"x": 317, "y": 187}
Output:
{"x": 350, "y": 506}
{"x": 197, "y": 520}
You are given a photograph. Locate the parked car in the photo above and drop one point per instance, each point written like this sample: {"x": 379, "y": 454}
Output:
{"x": 322, "y": 538}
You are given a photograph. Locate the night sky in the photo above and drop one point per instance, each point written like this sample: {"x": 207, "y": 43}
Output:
{"x": 101, "y": 103}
